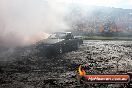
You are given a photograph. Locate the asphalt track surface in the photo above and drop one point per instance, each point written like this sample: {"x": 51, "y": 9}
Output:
{"x": 34, "y": 71}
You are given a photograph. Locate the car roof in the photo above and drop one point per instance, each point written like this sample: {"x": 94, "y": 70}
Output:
{"x": 63, "y": 32}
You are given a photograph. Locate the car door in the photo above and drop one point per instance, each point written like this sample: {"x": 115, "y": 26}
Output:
{"x": 70, "y": 41}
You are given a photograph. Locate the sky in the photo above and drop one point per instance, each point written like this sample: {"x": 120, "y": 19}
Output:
{"x": 25, "y": 21}
{"x": 126, "y": 4}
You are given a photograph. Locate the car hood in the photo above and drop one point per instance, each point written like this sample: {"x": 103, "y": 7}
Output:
{"x": 51, "y": 41}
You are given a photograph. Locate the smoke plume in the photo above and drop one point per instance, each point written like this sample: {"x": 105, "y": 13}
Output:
{"x": 23, "y": 22}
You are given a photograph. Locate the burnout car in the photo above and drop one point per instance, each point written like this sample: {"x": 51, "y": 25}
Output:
{"x": 58, "y": 43}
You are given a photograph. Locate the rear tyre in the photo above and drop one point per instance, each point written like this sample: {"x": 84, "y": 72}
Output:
{"x": 60, "y": 50}
{"x": 77, "y": 46}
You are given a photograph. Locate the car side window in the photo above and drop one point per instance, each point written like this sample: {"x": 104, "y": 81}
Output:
{"x": 69, "y": 36}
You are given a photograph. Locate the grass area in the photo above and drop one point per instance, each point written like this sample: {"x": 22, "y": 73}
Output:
{"x": 106, "y": 38}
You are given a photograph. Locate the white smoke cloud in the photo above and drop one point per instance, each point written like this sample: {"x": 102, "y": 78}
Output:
{"x": 22, "y": 20}
{"x": 28, "y": 18}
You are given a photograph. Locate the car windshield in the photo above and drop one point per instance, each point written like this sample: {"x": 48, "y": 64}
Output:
{"x": 57, "y": 36}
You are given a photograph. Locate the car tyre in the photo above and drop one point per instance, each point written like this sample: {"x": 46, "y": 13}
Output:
{"x": 77, "y": 46}
{"x": 60, "y": 50}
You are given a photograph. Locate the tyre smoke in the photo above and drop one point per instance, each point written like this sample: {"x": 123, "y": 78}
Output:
{"x": 23, "y": 22}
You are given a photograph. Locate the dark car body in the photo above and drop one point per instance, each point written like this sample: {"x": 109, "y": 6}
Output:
{"x": 59, "y": 42}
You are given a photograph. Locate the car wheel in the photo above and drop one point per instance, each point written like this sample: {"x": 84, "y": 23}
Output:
{"x": 77, "y": 46}
{"x": 60, "y": 50}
